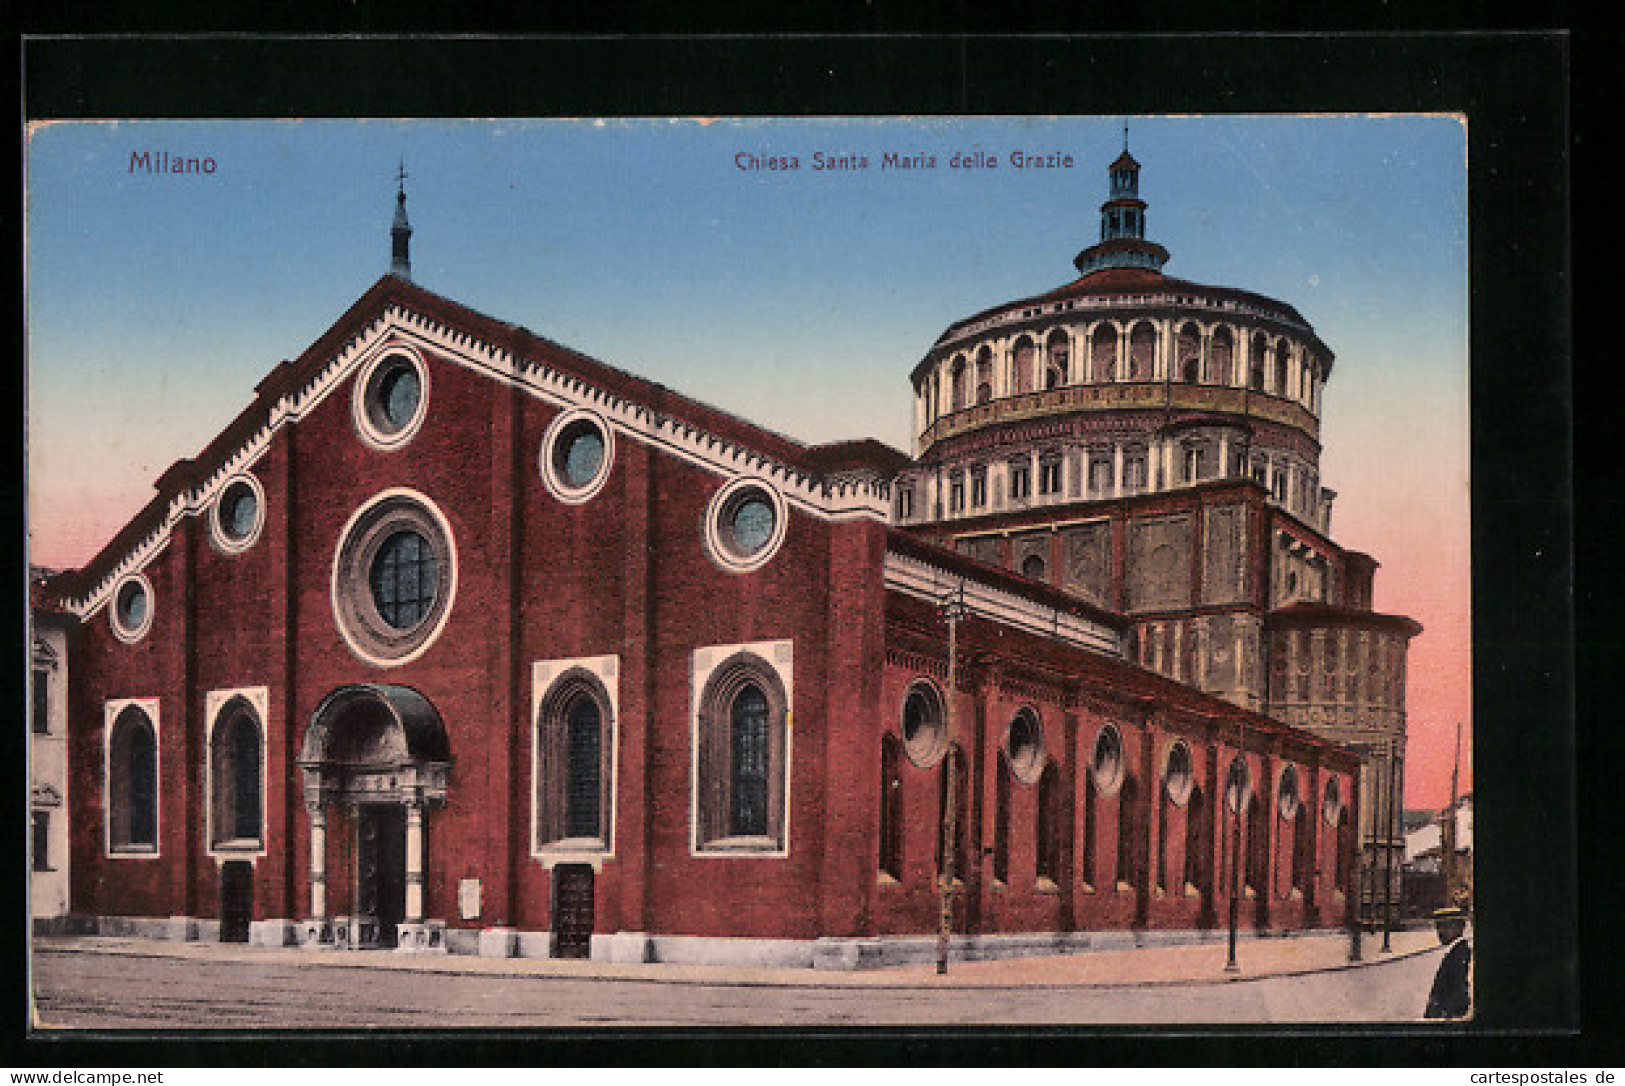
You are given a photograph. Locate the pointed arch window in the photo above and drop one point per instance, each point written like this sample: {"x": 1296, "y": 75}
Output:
{"x": 1001, "y": 822}
{"x": 1048, "y": 831}
{"x": 742, "y": 757}
{"x": 132, "y": 783}
{"x": 575, "y": 740}
{"x": 891, "y": 807}
{"x": 236, "y": 779}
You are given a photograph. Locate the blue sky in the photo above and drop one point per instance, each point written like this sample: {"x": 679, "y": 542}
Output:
{"x": 799, "y": 299}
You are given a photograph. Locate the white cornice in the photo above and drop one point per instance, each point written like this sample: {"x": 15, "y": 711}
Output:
{"x": 923, "y": 580}
{"x": 830, "y": 500}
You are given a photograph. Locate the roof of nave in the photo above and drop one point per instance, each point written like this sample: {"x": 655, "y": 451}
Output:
{"x": 289, "y": 380}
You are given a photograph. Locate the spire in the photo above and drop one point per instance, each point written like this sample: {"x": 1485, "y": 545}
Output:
{"x": 1122, "y": 241}
{"x": 400, "y": 233}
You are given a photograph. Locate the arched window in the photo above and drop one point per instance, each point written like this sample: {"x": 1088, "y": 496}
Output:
{"x": 1255, "y": 360}
{"x": 1001, "y": 821}
{"x": 984, "y": 373}
{"x": 1047, "y": 833}
{"x": 1060, "y": 354}
{"x": 1280, "y": 369}
{"x": 1103, "y": 354}
{"x": 1128, "y": 832}
{"x": 1022, "y": 364}
{"x": 1221, "y": 351}
{"x": 574, "y": 744}
{"x": 891, "y": 807}
{"x": 1033, "y": 567}
{"x": 1188, "y": 349}
{"x": 1198, "y": 844}
{"x": 742, "y": 757}
{"x": 132, "y": 786}
{"x": 1142, "y": 351}
{"x": 957, "y": 383}
{"x": 236, "y": 808}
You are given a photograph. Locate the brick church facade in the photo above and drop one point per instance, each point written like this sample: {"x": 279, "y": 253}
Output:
{"x": 458, "y": 639}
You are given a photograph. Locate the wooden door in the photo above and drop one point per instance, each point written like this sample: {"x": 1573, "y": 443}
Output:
{"x": 572, "y": 910}
{"x": 236, "y": 900}
{"x": 381, "y": 867}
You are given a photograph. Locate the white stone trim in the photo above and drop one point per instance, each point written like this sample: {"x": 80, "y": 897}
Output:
{"x": 829, "y": 500}
{"x": 779, "y": 657}
{"x": 923, "y": 580}
{"x": 214, "y": 701}
{"x": 222, "y": 541}
{"x": 131, "y": 634}
{"x": 110, "y": 713}
{"x": 544, "y": 675}
{"x": 556, "y": 484}
{"x": 716, "y": 544}
{"x": 361, "y": 395}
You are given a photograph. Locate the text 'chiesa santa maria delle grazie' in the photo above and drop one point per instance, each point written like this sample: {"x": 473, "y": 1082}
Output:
{"x": 460, "y": 640}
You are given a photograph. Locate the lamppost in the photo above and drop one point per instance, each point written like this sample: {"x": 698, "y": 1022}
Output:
{"x": 952, "y": 609}
{"x": 1236, "y": 786}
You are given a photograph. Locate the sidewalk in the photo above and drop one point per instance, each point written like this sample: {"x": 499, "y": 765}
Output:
{"x": 1149, "y": 966}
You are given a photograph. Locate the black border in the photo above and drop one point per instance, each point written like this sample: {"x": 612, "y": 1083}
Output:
{"x": 1514, "y": 89}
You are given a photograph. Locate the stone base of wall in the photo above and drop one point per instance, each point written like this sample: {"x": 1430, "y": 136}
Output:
{"x": 845, "y": 954}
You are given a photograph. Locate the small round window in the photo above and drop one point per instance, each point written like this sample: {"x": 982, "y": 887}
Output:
{"x": 925, "y": 730}
{"x": 391, "y": 399}
{"x": 1331, "y": 807}
{"x": 1024, "y": 744}
{"x": 1179, "y": 778}
{"x": 575, "y": 456}
{"x": 1107, "y": 764}
{"x": 131, "y": 613}
{"x": 745, "y": 524}
{"x": 1287, "y": 798}
{"x": 238, "y": 515}
{"x": 394, "y": 578}
{"x": 1032, "y": 567}
{"x": 1238, "y": 783}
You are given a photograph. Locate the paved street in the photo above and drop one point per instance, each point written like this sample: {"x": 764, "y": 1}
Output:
{"x": 83, "y": 986}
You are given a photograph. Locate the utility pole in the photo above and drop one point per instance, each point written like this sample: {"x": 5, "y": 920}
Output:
{"x": 1447, "y": 827}
{"x": 1235, "y": 795}
{"x": 1388, "y": 849}
{"x": 952, "y": 608}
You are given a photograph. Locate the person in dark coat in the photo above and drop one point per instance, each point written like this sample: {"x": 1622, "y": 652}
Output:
{"x": 1451, "y": 997}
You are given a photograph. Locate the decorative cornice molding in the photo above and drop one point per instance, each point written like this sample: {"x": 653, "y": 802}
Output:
{"x": 841, "y": 498}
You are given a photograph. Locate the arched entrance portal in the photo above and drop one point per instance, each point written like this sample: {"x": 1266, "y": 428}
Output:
{"x": 376, "y": 756}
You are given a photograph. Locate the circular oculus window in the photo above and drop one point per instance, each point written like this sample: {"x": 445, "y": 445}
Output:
{"x": 745, "y": 525}
{"x": 925, "y": 728}
{"x": 238, "y": 515}
{"x": 1286, "y": 799}
{"x": 1106, "y": 765}
{"x": 394, "y": 577}
{"x": 391, "y": 399}
{"x": 1179, "y": 778}
{"x": 131, "y": 610}
{"x": 1331, "y": 806}
{"x": 1024, "y": 746}
{"x": 575, "y": 456}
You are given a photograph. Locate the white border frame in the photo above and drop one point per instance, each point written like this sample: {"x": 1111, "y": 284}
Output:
{"x": 214, "y": 702}
{"x": 217, "y": 531}
{"x": 716, "y": 544}
{"x": 544, "y": 676}
{"x": 556, "y": 484}
{"x": 362, "y": 392}
{"x": 337, "y": 574}
{"x": 111, "y": 709}
{"x": 131, "y": 634}
{"x": 779, "y": 657}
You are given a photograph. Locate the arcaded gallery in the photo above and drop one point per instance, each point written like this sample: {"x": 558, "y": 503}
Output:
{"x": 458, "y": 640}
